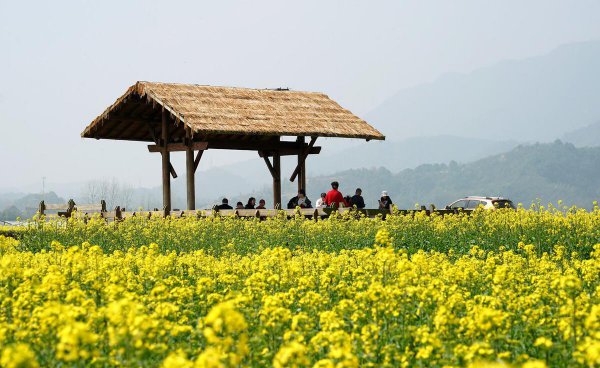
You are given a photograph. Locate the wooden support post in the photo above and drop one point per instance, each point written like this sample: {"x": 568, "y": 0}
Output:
{"x": 301, "y": 167}
{"x": 166, "y": 162}
{"x": 71, "y": 208}
{"x": 190, "y": 170}
{"x": 275, "y": 170}
{"x": 302, "y": 177}
{"x": 277, "y": 181}
{"x": 160, "y": 149}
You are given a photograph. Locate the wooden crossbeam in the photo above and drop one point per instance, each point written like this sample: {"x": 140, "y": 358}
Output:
{"x": 302, "y": 158}
{"x": 197, "y": 159}
{"x": 283, "y": 148}
{"x": 175, "y": 147}
{"x": 291, "y": 152}
{"x": 172, "y": 171}
{"x": 265, "y": 146}
{"x": 269, "y": 166}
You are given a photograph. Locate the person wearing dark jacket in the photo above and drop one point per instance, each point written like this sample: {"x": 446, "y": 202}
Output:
{"x": 385, "y": 203}
{"x": 224, "y": 205}
{"x": 299, "y": 201}
{"x": 357, "y": 199}
{"x": 251, "y": 203}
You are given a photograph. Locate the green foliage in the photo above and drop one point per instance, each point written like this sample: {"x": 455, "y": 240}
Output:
{"x": 576, "y": 229}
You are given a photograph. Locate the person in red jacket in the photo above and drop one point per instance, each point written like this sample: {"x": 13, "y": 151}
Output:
{"x": 335, "y": 196}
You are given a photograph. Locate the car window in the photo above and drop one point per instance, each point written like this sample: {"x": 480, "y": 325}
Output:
{"x": 473, "y": 204}
{"x": 459, "y": 204}
{"x": 503, "y": 203}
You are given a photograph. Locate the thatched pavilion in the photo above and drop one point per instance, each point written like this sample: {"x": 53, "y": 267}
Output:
{"x": 190, "y": 118}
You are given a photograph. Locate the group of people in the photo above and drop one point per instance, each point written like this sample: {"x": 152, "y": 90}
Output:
{"x": 251, "y": 205}
{"x": 333, "y": 198}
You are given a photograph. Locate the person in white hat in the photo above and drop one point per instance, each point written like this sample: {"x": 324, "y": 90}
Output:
{"x": 385, "y": 203}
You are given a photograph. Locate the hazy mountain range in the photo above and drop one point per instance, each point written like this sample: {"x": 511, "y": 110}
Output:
{"x": 588, "y": 136}
{"x": 536, "y": 99}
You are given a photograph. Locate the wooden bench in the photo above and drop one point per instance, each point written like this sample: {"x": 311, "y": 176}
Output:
{"x": 67, "y": 209}
{"x": 266, "y": 213}
{"x": 118, "y": 214}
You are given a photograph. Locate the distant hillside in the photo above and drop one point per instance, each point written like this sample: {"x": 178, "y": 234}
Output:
{"x": 7, "y": 199}
{"x": 26, "y": 206}
{"x": 394, "y": 155}
{"x": 536, "y": 99}
{"x": 550, "y": 172}
{"x": 588, "y": 136}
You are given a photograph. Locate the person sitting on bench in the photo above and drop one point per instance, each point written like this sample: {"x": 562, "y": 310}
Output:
{"x": 299, "y": 201}
{"x": 321, "y": 201}
{"x": 357, "y": 200}
{"x": 251, "y": 203}
{"x": 385, "y": 203}
{"x": 334, "y": 197}
{"x": 224, "y": 205}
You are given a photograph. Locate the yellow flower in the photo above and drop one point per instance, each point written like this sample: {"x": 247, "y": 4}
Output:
{"x": 18, "y": 356}
{"x": 177, "y": 359}
{"x": 543, "y": 341}
{"x": 291, "y": 355}
{"x": 534, "y": 364}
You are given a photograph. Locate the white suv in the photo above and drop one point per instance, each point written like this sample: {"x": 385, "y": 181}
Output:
{"x": 472, "y": 202}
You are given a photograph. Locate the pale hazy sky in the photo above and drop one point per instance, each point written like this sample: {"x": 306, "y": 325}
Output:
{"x": 63, "y": 62}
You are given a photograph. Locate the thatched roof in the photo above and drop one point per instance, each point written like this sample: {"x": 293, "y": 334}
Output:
{"x": 228, "y": 111}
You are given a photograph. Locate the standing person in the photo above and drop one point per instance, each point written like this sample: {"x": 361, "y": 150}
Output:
{"x": 251, "y": 203}
{"x": 299, "y": 201}
{"x": 261, "y": 204}
{"x": 321, "y": 201}
{"x": 385, "y": 203}
{"x": 334, "y": 196}
{"x": 224, "y": 205}
{"x": 357, "y": 199}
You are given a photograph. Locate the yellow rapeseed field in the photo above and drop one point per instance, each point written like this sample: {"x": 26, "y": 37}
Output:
{"x": 498, "y": 288}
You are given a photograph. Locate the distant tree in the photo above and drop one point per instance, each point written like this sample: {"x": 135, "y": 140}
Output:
{"x": 10, "y": 214}
{"x": 112, "y": 191}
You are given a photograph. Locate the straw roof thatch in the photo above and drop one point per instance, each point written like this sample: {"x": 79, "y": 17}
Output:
{"x": 210, "y": 111}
